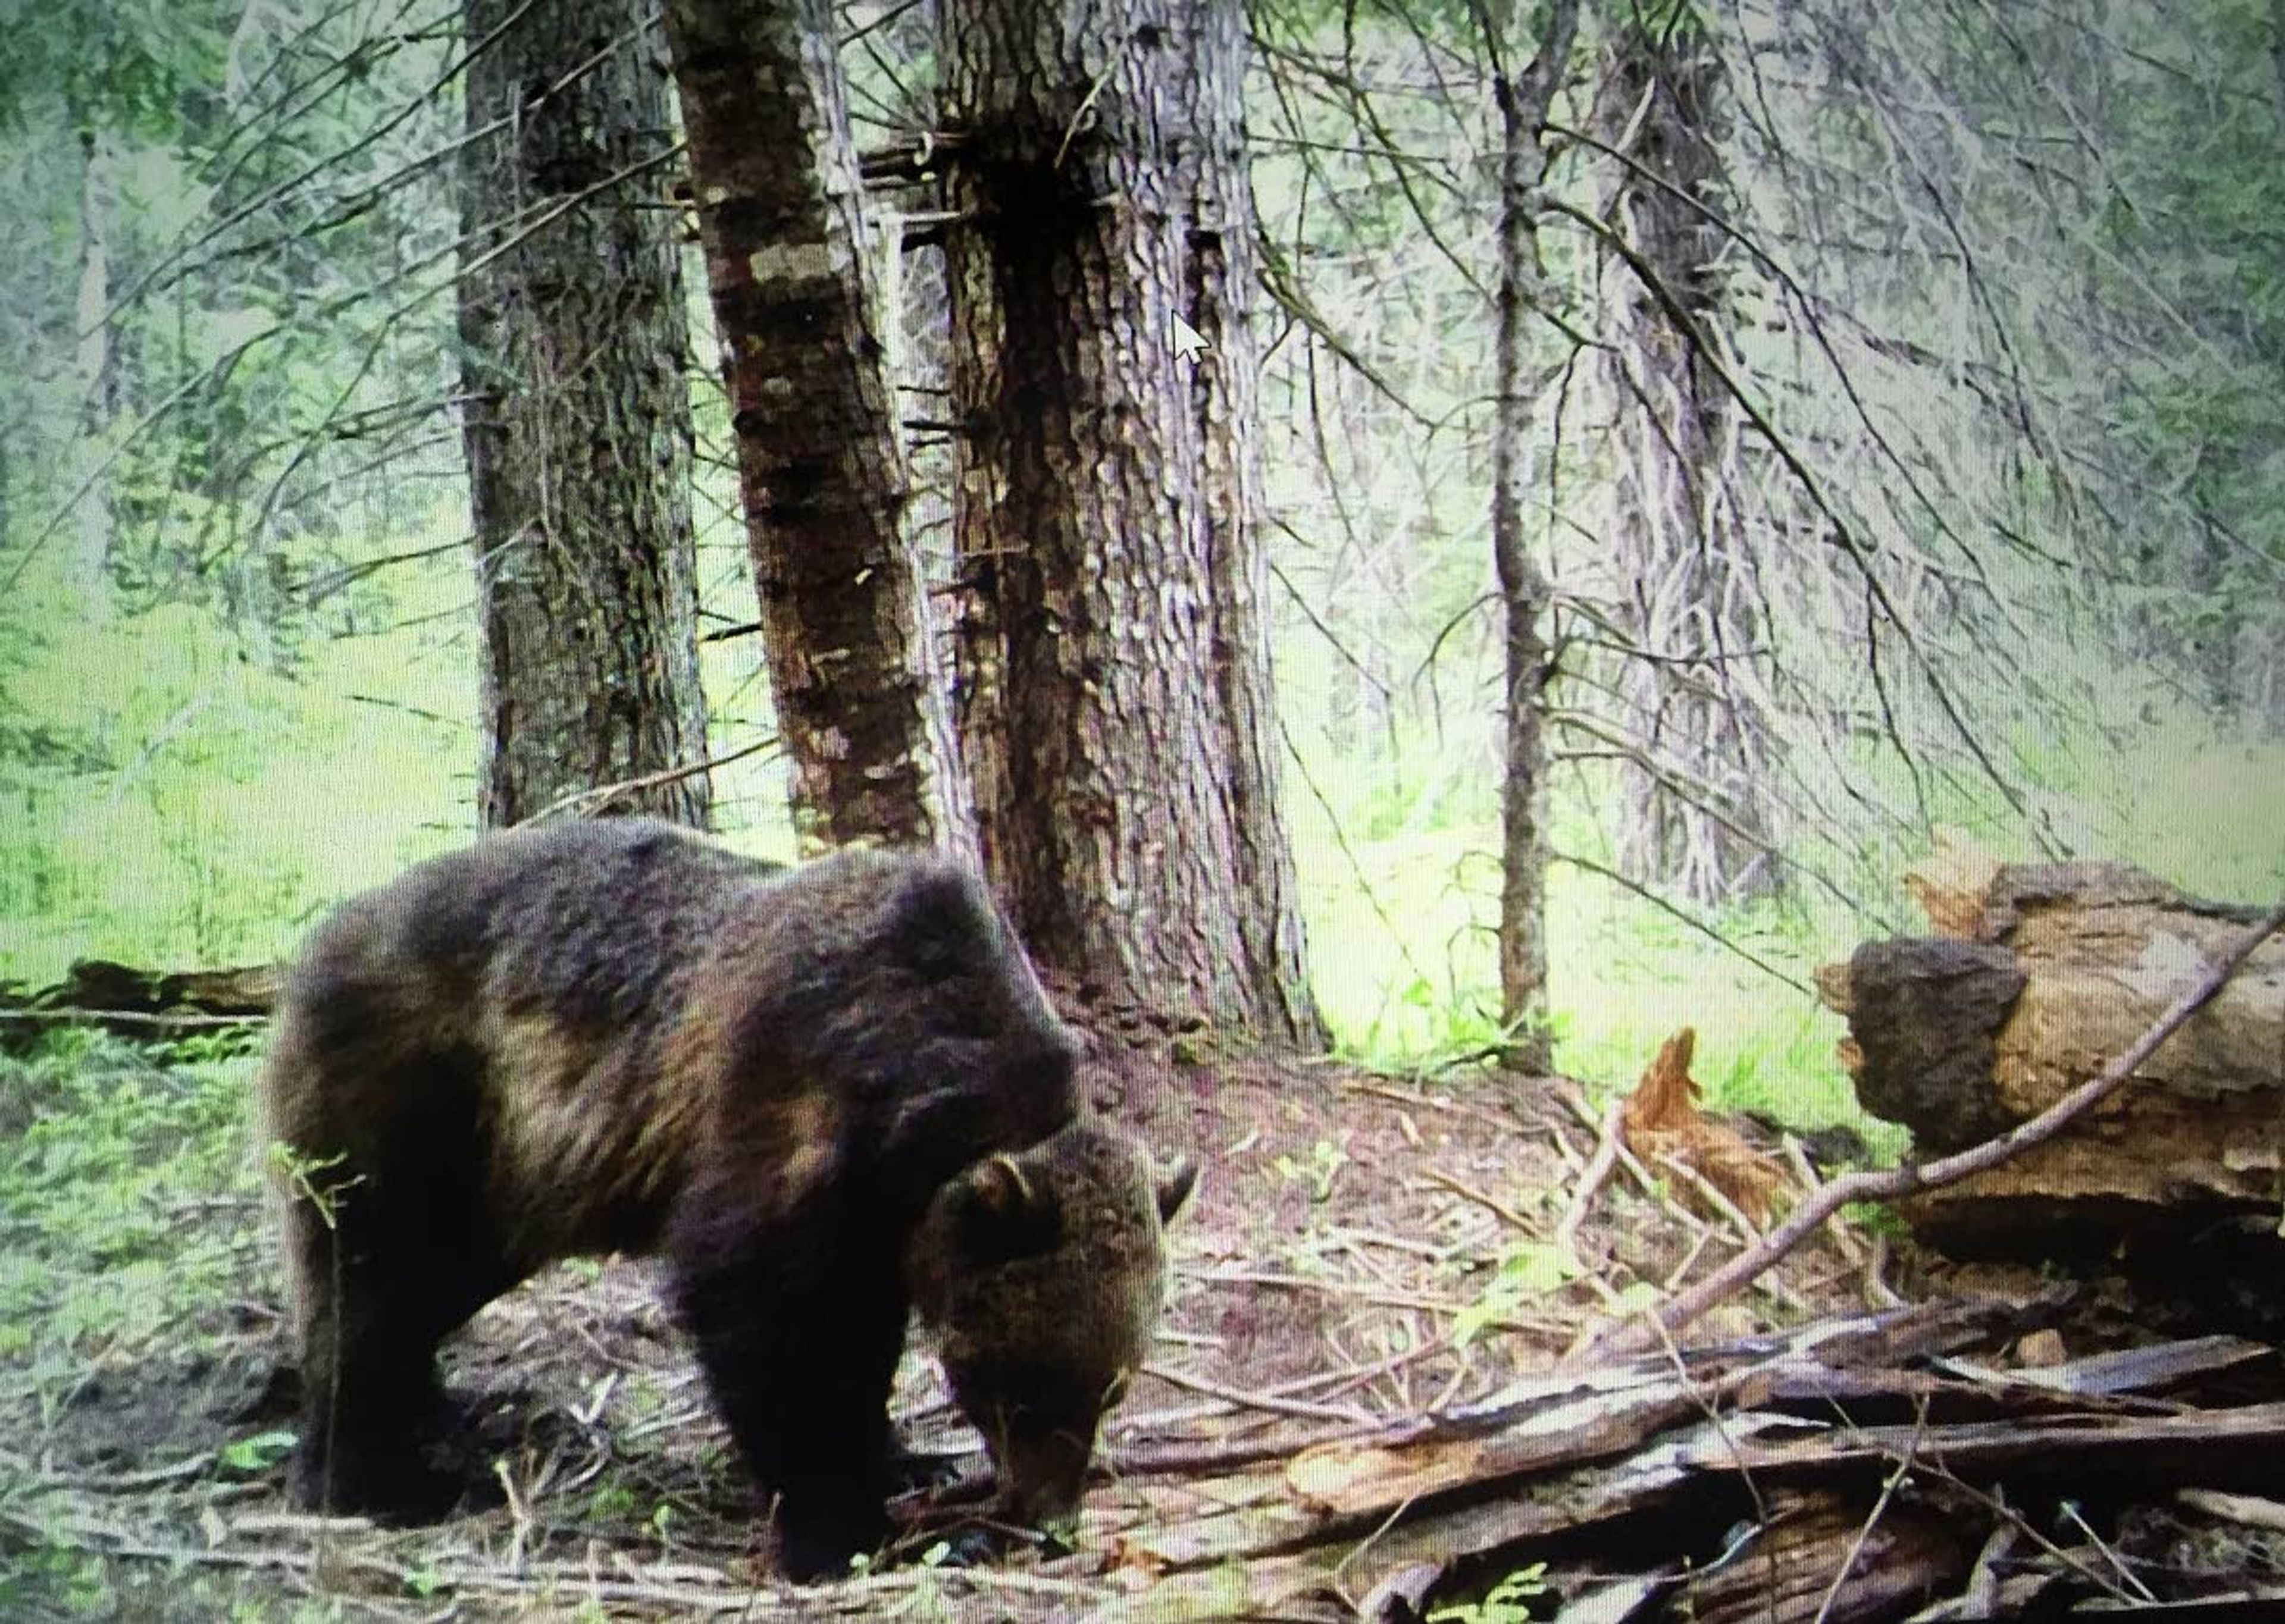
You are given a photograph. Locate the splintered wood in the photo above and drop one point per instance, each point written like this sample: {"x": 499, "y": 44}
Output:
{"x": 1665, "y": 1128}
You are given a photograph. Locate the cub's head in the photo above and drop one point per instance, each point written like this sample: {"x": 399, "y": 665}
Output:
{"x": 1041, "y": 1275}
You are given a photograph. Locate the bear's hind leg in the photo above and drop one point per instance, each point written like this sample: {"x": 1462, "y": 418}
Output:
{"x": 369, "y": 1389}
{"x": 382, "y": 1278}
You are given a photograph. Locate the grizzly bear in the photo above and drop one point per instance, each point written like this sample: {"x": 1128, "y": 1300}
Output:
{"x": 823, "y": 1094}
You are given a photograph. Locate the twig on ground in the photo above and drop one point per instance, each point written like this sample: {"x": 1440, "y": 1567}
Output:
{"x": 127, "y": 1482}
{"x": 1703, "y": 1189}
{"x": 1490, "y": 1203}
{"x": 2246, "y": 1510}
{"x": 1332, "y": 1287}
{"x": 1169, "y": 1460}
{"x": 1844, "y": 1240}
{"x": 1597, "y": 1172}
{"x": 1256, "y": 1401}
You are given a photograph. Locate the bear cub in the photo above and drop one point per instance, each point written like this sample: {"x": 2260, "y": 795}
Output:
{"x": 824, "y": 1095}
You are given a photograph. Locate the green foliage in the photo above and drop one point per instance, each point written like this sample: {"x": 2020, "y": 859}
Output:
{"x": 129, "y": 1194}
{"x": 1508, "y": 1601}
{"x": 131, "y": 66}
{"x": 195, "y": 807}
{"x": 51, "y": 1579}
{"x": 253, "y": 1455}
{"x": 1529, "y": 1272}
{"x": 208, "y": 806}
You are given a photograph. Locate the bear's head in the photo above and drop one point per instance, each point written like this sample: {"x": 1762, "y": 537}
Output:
{"x": 1040, "y": 1274}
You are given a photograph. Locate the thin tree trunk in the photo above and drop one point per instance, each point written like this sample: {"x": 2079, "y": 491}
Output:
{"x": 820, "y": 463}
{"x": 1116, "y": 692}
{"x": 1523, "y": 97}
{"x": 91, "y": 560}
{"x": 577, "y": 422}
{"x": 1691, "y": 818}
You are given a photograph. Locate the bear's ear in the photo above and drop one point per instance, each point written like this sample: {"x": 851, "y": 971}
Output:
{"x": 998, "y": 1189}
{"x": 1007, "y": 1213}
{"x": 1175, "y": 1188}
{"x": 940, "y": 921}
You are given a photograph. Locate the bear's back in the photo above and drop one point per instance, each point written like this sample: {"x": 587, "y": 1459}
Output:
{"x": 587, "y": 924}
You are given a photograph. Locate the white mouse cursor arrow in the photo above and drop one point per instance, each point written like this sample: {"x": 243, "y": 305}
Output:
{"x": 1190, "y": 344}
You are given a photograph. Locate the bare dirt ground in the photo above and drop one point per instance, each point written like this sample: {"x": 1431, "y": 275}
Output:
{"x": 1340, "y": 1262}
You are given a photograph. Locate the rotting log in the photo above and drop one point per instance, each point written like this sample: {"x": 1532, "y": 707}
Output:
{"x": 1848, "y": 1470}
{"x": 2039, "y": 975}
{"x": 140, "y": 1003}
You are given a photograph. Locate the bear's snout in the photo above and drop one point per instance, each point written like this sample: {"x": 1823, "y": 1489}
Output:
{"x": 1044, "y": 1474}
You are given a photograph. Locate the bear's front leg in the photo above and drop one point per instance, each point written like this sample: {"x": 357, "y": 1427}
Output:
{"x": 800, "y": 1341}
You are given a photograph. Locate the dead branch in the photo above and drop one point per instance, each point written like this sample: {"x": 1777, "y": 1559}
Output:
{"x": 1596, "y": 1172}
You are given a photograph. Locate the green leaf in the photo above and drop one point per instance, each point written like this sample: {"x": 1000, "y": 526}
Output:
{"x": 250, "y": 1456}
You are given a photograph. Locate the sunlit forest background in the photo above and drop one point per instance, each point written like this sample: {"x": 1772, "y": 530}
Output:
{"x": 1983, "y": 527}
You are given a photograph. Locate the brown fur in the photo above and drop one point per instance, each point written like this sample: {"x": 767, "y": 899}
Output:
{"x": 617, "y": 1036}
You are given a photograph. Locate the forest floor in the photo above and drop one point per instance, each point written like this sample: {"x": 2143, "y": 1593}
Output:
{"x": 1361, "y": 1250}
{"x": 1359, "y": 1247}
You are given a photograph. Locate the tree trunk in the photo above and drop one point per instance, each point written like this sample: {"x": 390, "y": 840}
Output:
{"x": 91, "y": 562}
{"x": 1692, "y": 818}
{"x": 1523, "y": 97}
{"x": 577, "y": 424}
{"x": 821, "y": 464}
{"x": 1223, "y": 276}
{"x": 1115, "y": 698}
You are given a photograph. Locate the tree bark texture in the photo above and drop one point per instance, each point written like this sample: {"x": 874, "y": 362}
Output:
{"x": 1523, "y": 94}
{"x": 821, "y": 468}
{"x": 1115, "y": 698}
{"x": 1692, "y": 819}
{"x": 576, "y": 421}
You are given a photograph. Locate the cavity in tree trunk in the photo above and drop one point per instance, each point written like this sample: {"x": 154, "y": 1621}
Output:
{"x": 577, "y": 422}
{"x": 821, "y": 464}
{"x": 1692, "y": 819}
{"x": 1522, "y": 94}
{"x": 1115, "y": 687}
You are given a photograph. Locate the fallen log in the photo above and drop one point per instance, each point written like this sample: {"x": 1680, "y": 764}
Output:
{"x": 141, "y": 1003}
{"x": 2042, "y": 974}
{"x": 1868, "y": 1462}
{"x": 1916, "y": 1179}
